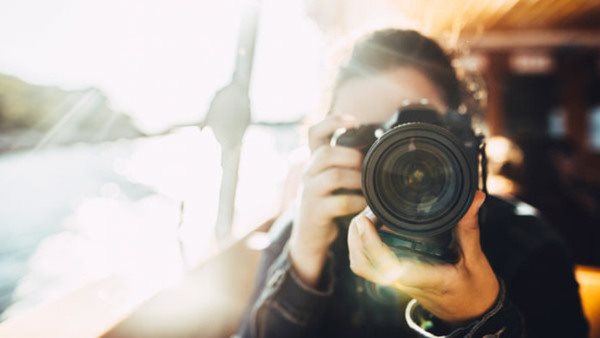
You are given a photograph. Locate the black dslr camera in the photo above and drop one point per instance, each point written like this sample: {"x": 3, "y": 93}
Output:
{"x": 419, "y": 176}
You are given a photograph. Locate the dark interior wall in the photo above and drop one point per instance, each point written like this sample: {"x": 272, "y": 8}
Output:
{"x": 520, "y": 104}
{"x": 527, "y": 101}
{"x": 566, "y": 191}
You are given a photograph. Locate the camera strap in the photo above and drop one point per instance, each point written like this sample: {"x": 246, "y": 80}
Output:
{"x": 483, "y": 162}
{"x": 484, "y": 173}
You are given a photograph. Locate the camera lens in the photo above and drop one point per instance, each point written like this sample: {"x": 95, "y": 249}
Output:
{"x": 417, "y": 179}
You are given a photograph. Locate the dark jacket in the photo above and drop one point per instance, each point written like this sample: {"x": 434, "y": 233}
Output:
{"x": 539, "y": 295}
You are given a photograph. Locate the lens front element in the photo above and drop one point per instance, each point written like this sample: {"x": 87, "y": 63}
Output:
{"x": 417, "y": 179}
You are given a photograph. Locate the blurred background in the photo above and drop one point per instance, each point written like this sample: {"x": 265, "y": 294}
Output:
{"x": 123, "y": 194}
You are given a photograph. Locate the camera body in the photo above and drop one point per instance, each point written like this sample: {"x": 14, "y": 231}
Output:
{"x": 419, "y": 176}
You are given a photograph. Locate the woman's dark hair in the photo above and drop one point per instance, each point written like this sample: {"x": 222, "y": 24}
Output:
{"x": 390, "y": 48}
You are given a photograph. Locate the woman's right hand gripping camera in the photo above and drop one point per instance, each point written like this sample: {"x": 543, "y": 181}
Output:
{"x": 329, "y": 169}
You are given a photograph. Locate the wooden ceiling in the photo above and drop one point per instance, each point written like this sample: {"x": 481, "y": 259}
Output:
{"x": 475, "y": 15}
{"x": 448, "y": 17}
{"x": 554, "y": 14}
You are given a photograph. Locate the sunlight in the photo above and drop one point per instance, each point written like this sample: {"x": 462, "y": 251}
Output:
{"x": 160, "y": 62}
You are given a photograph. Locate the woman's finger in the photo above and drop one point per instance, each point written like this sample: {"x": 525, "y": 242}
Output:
{"x": 334, "y": 179}
{"x": 414, "y": 276}
{"x": 359, "y": 263}
{"x": 384, "y": 263}
{"x": 342, "y": 205}
{"x": 326, "y": 157}
{"x": 467, "y": 230}
{"x": 320, "y": 133}
{"x": 382, "y": 257}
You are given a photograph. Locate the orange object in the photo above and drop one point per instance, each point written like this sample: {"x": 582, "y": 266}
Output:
{"x": 589, "y": 289}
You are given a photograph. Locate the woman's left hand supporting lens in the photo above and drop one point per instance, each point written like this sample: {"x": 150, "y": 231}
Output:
{"x": 454, "y": 293}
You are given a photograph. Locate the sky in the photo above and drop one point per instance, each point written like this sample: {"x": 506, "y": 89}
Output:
{"x": 162, "y": 61}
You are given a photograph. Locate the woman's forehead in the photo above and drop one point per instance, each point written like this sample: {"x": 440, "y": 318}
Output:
{"x": 373, "y": 99}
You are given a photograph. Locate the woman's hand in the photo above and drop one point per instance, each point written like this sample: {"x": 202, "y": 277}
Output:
{"x": 454, "y": 293}
{"x": 329, "y": 169}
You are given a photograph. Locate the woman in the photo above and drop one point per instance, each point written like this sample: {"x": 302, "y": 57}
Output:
{"x": 512, "y": 277}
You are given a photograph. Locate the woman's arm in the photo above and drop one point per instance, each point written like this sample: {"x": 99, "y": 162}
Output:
{"x": 282, "y": 305}
{"x": 296, "y": 280}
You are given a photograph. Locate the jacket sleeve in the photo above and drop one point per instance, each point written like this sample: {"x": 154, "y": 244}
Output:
{"x": 282, "y": 305}
{"x": 501, "y": 320}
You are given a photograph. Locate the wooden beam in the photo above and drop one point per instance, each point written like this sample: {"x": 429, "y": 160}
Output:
{"x": 572, "y": 76}
{"x": 503, "y": 40}
{"x": 495, "y": 77}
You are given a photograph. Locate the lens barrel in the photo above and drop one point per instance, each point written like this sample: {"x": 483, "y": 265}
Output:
{"x": 419, "y": 180}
